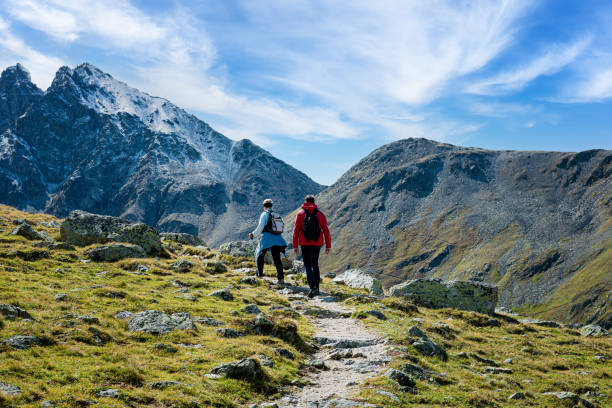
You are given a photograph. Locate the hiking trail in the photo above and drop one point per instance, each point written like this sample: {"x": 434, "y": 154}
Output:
{"x": 350, "y": 352}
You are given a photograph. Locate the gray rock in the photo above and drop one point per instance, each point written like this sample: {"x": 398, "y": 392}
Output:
{"x": 245, "y": 369}
{"x": 474, "y": 296}
{"x": 223, "y": 294}
{"x": 509, "y": 361}
{"x": 124, "y": 314}
{"x": 10, "y": 390}
{"x": 318, "y": 364}
{"x": 22, "y": 342}
{"x": 228, "y": 333}
{"x": 415, "y": 331}
{"x": 430, "y": 348}
{"x": 593, "y": 330}
{"x": 82, "y": 228}
{"x": 538, "y": 322}
{"x": 251, "y": 309}
{"x": 182, "y": 266}
{"x": 162, "y": 385}
{"x": 109, "y": 393}
{"x": 115, "y": 252}
{"x": 421, "y": 373}
{"x": 283, "y": 352}
{"x": 356, "y": 278}
{"x": 377, "y": 314}
{"x": 265, "y": 360}
{"x": 564, "y": 395}
{"x": 262, "y": 325}
{"x": 239, "y": 249}
{"x": 208, "y": 321}
{"x": 497, "y": 370}
{"x": 249, "y": 280}
{"x": 88, "y": 319}
{"x": 13, "y": 312}
{"x": 61, "y": 296}
{"x": 156, "y": 322}
{"x": 389, "y": 395}
{"x": 25, "y": 230}
{"x": 46, "y": 404}
{"x": 297, "y": 268}
{"x": 215, "y": 267}
{"x": 517, "y": 396}
{"x": 483, "y": 360}
{"x": 400, "y": 377}
{"x": 344, "y": 403}
{"x": 181, "y": 238}
{"x": 165, "y": 348}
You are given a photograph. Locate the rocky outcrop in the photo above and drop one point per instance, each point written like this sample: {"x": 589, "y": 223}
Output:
{"x": 14, "y": 312}
{"x": 593, "y": 330}
{"x": 475, "y": 296}
{"x": 181, "y": 238}
{"x": 115, "y": 252}
{"x": 238, "y": 248}
{"x": 356, "y": 278}
{"x": 246, "y": 369}
{"x": 82, "y": 228}
{"x": 156, "y": 322}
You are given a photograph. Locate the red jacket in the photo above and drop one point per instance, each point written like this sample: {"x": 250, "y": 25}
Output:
{"x": 298, "y": 229}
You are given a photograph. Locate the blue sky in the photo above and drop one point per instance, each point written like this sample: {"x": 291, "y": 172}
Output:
{"x": 320, "y": 84}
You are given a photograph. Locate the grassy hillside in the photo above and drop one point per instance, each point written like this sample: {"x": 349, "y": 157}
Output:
{"x": 81, "y": 355}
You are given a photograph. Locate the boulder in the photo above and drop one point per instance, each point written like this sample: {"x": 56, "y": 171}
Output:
{"x": 82, "y": 228}
{"x": 182, "y": 265}
{"x": 223, "y": 294}
{"x": 156, "y": 322}
{"x": 416, "y": 332}
{"x": 355, "y": 278}
{"x": 25, "y": 230}
{"x": 238, "y": 249}
{"x": 9, "y": 390}
{"x": 428, "y": 348}
{"x": 22, "y": 342}
{"x": 115, "y": 252}
{"x": 251, "y": 309}
{"x": 228, "y": 333}
{"x": 593, "y": 330}
{"x": 400, "y": 377}
{"x": 181, "y": 238}
{"x": 14, "y": 312}
{"x": 475, "y": 296}
{"x": 245, "y": 369}
{"x": 283, "y": 352}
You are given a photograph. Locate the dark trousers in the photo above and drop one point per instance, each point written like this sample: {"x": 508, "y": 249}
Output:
{"x": 276, "y": 251}
{"x": 310, "y": 256}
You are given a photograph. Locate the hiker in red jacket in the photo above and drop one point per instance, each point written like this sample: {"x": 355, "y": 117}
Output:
{"x": 309, "y": 230}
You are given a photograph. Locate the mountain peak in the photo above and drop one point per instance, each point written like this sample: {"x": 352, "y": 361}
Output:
{"x": 16, "y": 74}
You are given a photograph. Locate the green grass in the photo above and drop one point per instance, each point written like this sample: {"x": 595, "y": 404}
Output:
{"x": 75, "y": 369}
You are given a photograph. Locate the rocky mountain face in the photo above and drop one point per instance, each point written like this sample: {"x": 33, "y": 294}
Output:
{"x": 91, "y": 142}
{"x": 537, "y": 224}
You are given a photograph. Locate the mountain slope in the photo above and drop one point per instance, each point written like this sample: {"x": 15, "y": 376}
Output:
{"x": 538, "y": 224}
{"x": 91, "y": 142}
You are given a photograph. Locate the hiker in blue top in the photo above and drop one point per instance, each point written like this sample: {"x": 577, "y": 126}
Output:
{"x": 271, "y": 228}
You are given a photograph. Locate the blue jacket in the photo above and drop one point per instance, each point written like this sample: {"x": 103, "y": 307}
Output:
{"x": 268, "y": 240}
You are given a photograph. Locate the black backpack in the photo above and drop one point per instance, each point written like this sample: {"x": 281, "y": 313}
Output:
{"x": 312, "y": 230}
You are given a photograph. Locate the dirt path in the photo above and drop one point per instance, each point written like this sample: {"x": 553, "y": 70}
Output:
{"x": 349, "y": 350}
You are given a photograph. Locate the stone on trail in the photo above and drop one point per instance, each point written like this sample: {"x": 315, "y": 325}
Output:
{"x": 13, "y": 312}
{"x": 400, "y": 377}
{"x": 156, "y": 322}
{"x": 9, "y": 390}
{"x": 82, "y": 228}
{"x": 115, "y": 252}
{"x": 245, "y": 369}
{"x": 356, "y": 278}
{"x": 593, "y": 330}
{"x": 223, "y": 294}
{"x": 434, "y": 293}
{"x": 181, "y": 238}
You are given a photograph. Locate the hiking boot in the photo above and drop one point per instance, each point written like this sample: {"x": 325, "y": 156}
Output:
{"x": 281, "y": 282}
{"x": 316, "y": 292}
{"x": 311, "y": 294}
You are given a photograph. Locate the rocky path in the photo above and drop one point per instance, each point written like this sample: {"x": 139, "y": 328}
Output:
{"x": 348, "y": 354}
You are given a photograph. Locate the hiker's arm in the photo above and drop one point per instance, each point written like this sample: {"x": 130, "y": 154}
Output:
{"x": 297, "y": 227}
{"x": 263, "y": 219}
{"x": 326, "y": 234}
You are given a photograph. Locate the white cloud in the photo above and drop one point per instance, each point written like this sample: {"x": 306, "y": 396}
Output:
{"x": 552, "y": 61}
{"x": 501, "y": 109}
{"x": 14, "y": 50}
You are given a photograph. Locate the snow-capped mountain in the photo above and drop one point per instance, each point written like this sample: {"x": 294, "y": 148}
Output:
{"x": 92, "y": 142}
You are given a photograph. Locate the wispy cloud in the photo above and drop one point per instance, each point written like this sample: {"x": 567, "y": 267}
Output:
{"x": 495, "y": 109}
{"x": 554, "y": 59}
